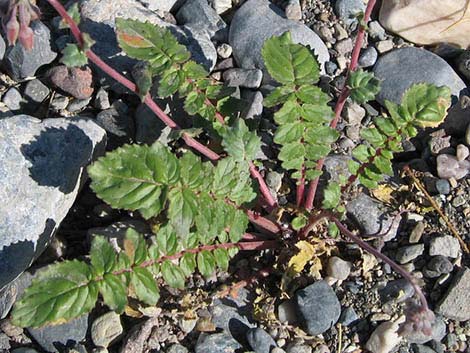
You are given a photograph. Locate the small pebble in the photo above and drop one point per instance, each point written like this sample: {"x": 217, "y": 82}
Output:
{"x": 101, "y": 101}
{"x": 368, "y": 57}
{"x": 338, "y": 268}
{"x": 293, "y": 10}
{"x": 344, "y": 46}
{"x": 384, "y": 338}
{"x": 462, "y": 152}
{"x": 36, "y": 91}
{"x": 384, "y": 46}
{"x": 446, "y": 245}
{"x": 376, "y": 31}
{"x": 417, "y": 232}
{"x": 106, "y": 328}
{"x": 442, "y": 186}
{"x": 224, "y": 50}
{"x": 12, "y": 99}
{"x": 407, "y": 253}
{"x": 248, "y": 78}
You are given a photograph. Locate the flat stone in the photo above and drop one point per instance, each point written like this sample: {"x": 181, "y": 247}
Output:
{"x": 293, "y": 10}
{"x": 12, "y": 99}
{"x": 368, "y": 57}
{"x": 338, "y": 268}
{"x": 41, "y": 173}
{"x": 260, "y": 341}
{"x": 299, "y": 348}
{"x": 36, "y": 91}
{"x": 397, "y": 290}
{"x": 258, "y": 20}
{"x": 21, "y": 63}
{"x": 54, "y": 338}
{"x": 408, "y": 253}
{"x": 416, "y": 66}
{"x": 384, "y": 338}
{"x": 199, "y": 14}
{"x": 106, "y": 328}
{"x": 348, "y": 10}
{"x": 248, "y": 78}
{"x": 74, "y": 80}
{"x": 221, "y": 6}
{"x": 372, "y": 216}
{"x": 437, "y": 266}
{"x": 455, "y": 304}
{"x": 216, "y": 343}
{"x": 177, "y": 348}
{"x": 446, "y": 245}
{"x": 348, "y": 316}
{"x": 318, "y": 307}
{"x": 449, "y": 166}
{"x": 428, "y": 23}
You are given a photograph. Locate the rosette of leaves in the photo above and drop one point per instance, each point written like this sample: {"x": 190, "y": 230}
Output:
{"x": 170, "y": 62}
{"x": 304, "y": 115}
{"x": 422, "y": 105}
{"x": 201, "y": 204}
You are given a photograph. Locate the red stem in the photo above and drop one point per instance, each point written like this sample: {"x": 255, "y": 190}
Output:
{"x": 300, "y": 189}
{"x": 263, "y": 222}
{"x": 342, "y": 98}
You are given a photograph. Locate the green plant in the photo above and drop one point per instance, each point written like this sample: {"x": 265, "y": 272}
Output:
{"x": 201, "y": 209}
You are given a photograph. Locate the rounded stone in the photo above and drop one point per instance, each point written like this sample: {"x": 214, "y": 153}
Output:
{"x": 105, "y": 329}
{"x": 318, "y": 307}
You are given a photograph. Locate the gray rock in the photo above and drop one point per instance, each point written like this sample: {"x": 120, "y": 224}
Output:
{"x": 408, "y": 253}
{"x": 287, "y": 312}
{"x": 419, "y": 348}
{"x": 216, "y": 343}
{"x": 163, "y": 5}
{"x": 36, "y": 91}
{"x": 318, "y": 307}
{"x": 347, "y": 10}
{"x": 446, "y": 245}
{"x": 2, "y": 47}
{"x": 344, "y": 46}
{"x": 54, "y": 338}
{"x": 442, "y": 186}
{"x": 299, "y": 348}
{"x": 77, "y": 105}
{"x": 198, "y": 42}
{"x": 59, "y": 102}
{"x": 224, "y": 50}
{"x": 338, "y": 268}
{"x": 449, "y": 166}
{"x": 101, "y": 101}
{"x": 254, "y": 104}
{"x": 12, "y": 99}
{"x": 177, "y": 348}
{"x": 199, "y": 14}
{"x": 221, "y": 6}
{"x": 371, "y": 216}
{"x": 438, "y": 331}
{"x": 260, "y": 341}
{"x": 463, "y": 64}
{"x": 21, "y": 63}
{"x": 348, "y": 316}
{"x": 384, "y": 46}
{"x": 397, "y": 290}
{"x": 258, "y": 20}
{"x": 368, "y": 57}
{"x": 24, "y": 350}
{"x": 278, "y": 350}
{"x": 437, "y": 266}
{"x": 4, "y": 343}
{"x": 293, "y": 10}
{"x": 106, "y": 328}
{"x": 41, "y": 173}
{"x": 248, "y": 78}
{"x": 416, "y": 66}
{"x": 376, "y": 31}
{"x": 118, "y": 123}
{"x": 455, "y": 304}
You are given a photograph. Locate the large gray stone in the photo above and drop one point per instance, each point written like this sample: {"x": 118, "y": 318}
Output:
{"x": 318, "y": 307}
{"x": 372, "y": 217}
{"x": 455, "y": 304}
{"x": 98, "y": 19}
{"x": 217, "y": 343}
{"x": 41, "y": 173}
{"x": 199, "y": 14}
{"x": 401, "y": 68}
{"x": 21, "y": 63}
{"x": 54, "y": 338}
{"x": 258, "y": 20}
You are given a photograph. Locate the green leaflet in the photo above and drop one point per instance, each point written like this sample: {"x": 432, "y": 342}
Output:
{"x": 102, "y": 256}
{"x": 288, "y": 62}
{"x": 363, "y": 86}
{"x": 114, "y": 292}
{"x": 145, "y": 286}
{"x": 72, "y": 56}
{"x": 173, "y": 275}
{"x": 332, "y": 196}
{"x": 145, "y": 41}
{"x": 206, "y": 263}
{"x": 56, "y": 296}
{"x": 241, "y": 143}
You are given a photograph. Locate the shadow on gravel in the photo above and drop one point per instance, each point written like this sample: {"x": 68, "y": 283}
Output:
{"x": 55, "y": 155}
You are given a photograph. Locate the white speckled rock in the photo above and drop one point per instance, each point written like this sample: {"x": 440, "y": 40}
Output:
{"x": 41, "y": 173}
{"x": 384, "y": 338}
{"x": 428, "y": 21}
{"x": 258, "y": 20}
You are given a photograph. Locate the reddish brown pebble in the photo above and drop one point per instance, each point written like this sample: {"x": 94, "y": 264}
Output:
{"x": 75, "y": 81}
